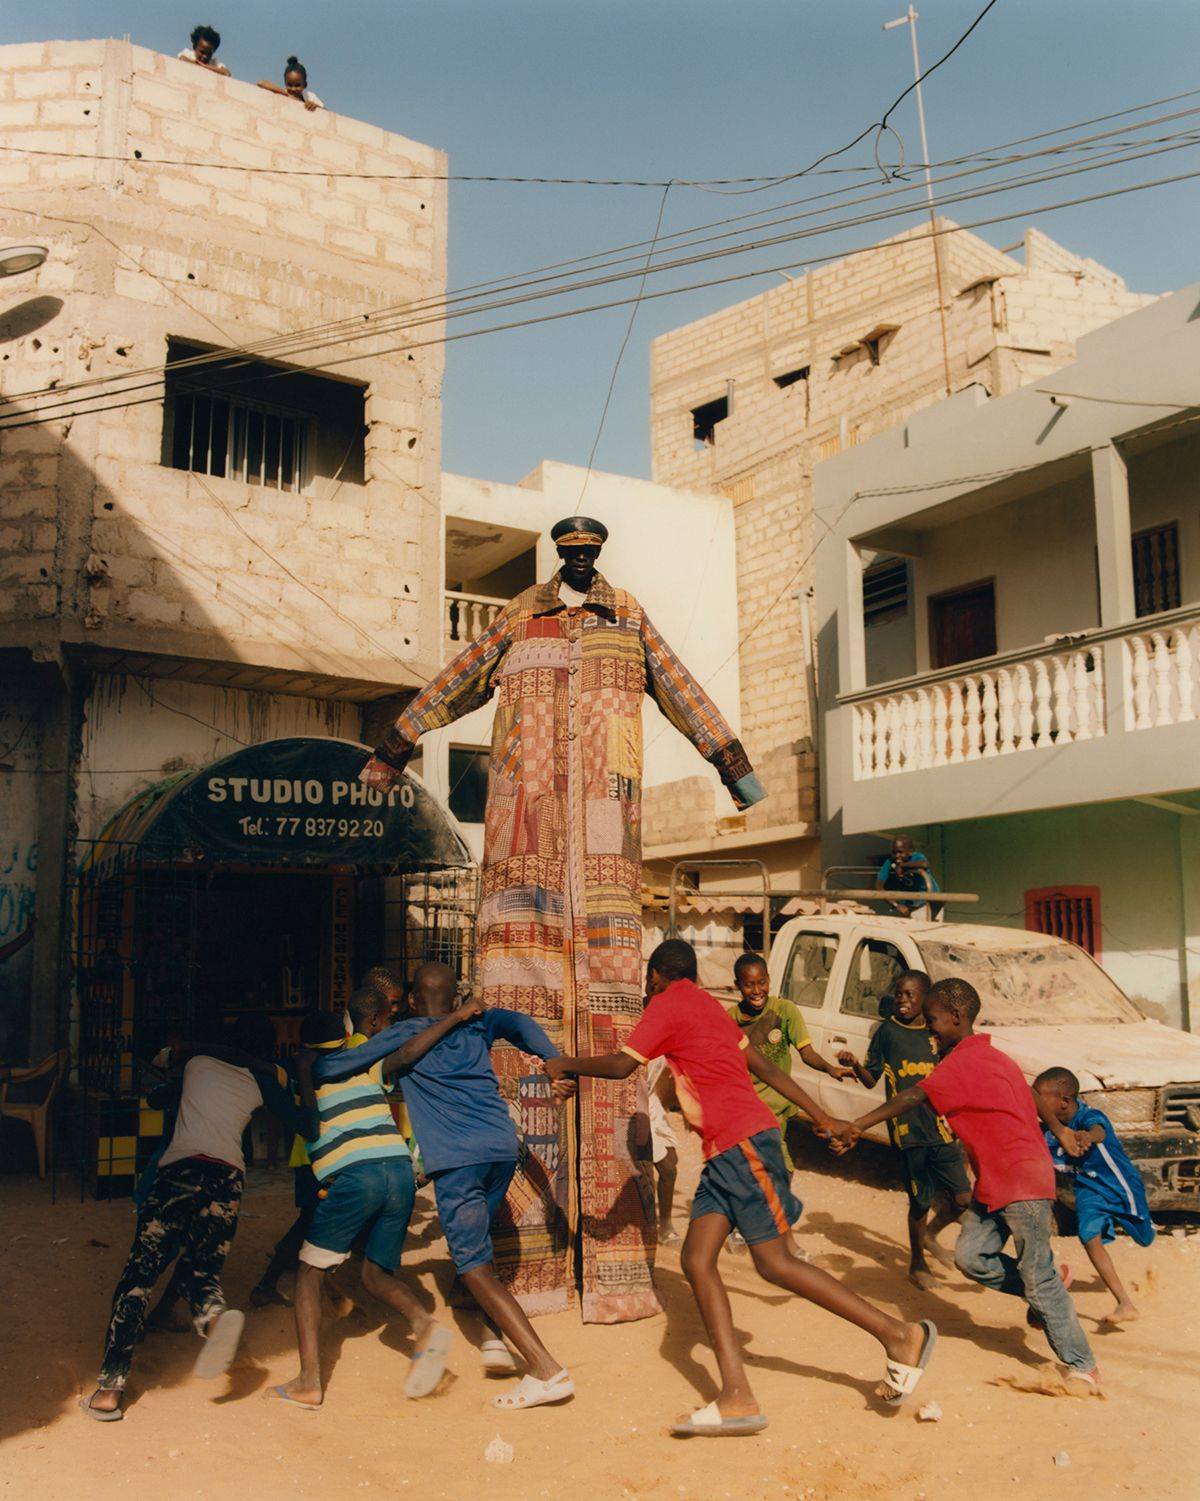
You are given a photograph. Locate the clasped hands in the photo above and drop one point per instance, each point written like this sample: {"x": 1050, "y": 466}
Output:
{"x": 561, "y": 1087}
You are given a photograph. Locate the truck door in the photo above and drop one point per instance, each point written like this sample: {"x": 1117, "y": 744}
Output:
{"x": 810, "y": 976}
{"x": 875, "y": 965}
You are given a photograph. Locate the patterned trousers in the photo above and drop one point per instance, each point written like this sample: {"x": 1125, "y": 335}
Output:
{"x": 191, "y": 1212}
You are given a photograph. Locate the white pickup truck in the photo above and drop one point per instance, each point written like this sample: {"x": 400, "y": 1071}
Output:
{"x": 1045, "y": 1002}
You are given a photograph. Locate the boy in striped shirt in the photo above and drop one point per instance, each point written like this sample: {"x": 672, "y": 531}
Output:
{"x": 364, "y": 1171}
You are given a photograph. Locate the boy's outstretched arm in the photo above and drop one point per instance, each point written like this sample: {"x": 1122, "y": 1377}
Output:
{"x": 899, "y": 1104}
{"x": 785, "y": 1085}
{"x": 1073, "y": 1143}
{"x": 608, "y": 1066}
{"x": 860, "y": 1070}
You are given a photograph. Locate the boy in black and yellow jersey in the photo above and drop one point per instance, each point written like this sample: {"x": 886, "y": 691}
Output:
{"x": 902, "y": 1053}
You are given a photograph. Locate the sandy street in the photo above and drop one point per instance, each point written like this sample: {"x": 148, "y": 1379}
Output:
{"x": 998, "y": 1434}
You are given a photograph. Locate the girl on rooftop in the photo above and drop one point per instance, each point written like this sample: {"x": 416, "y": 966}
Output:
{"x": 295, "y": 84}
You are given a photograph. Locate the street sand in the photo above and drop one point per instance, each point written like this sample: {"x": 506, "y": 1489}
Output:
{"x": 999, "y": 1433}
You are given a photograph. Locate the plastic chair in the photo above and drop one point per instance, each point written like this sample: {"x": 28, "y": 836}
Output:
{"x": 27, "y": 1096}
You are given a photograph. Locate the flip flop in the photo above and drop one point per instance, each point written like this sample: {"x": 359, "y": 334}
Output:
{"x": 428, "y": 1366}
{"x": 220, "y": 1346}
{"x": 709, "y": 1422}
{"x": 100, "y": 1414}
{"x": 498, "y": 1359}
{"x": 281, "y": 1394}
{"x": 530, "y": 1392}
{"x": 904, "y": 1378}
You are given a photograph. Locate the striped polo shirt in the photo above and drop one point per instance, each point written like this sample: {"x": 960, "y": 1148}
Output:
{"x": 356, "y": 1120}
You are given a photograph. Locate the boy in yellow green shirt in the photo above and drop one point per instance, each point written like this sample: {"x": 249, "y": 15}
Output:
{"x": 775, "y": 1027}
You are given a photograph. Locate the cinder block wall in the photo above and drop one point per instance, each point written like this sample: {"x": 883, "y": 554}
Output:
{"x": 1008, "y": 321}
{"x": 99, "y": 542}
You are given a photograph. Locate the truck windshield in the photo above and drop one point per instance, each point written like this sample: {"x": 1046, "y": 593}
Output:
{"x": 1021, "y": 986}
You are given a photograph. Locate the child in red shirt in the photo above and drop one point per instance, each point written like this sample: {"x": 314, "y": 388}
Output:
{"x": 745, "y": 1184}
{"x": 992, "y": 1110}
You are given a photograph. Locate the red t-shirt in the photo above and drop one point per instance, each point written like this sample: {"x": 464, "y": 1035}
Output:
{"x": 984, "y": 1096}
{"x": 704, "y": 1049}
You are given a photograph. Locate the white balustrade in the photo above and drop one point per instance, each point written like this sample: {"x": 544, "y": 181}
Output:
{"x": 1162, "y": 673}
{"x": 467, "y": 616}
{"x": 1050, "y": 699}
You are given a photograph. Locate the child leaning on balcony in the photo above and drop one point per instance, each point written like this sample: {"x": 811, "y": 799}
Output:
{"x": 1109, "y": 1192}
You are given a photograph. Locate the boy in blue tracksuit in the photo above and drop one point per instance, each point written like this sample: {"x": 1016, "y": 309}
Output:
{"x": 470, "y": 1148}
{"x": 1109, "y": 1192}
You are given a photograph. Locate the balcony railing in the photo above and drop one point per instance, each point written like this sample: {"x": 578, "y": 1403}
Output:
{"x": 466, "y": 616}
{"x": 1028, "y": 701}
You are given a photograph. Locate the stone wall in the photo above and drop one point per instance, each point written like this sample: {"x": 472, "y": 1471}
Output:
{"x": 100, "y": 543}
{"x": 1007, "y": 322}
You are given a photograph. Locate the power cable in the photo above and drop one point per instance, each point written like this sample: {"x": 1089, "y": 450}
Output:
{"x": 43, "y": 417}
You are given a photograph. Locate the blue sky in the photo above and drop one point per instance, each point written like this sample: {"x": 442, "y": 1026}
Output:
{"x": 662, "y": 88}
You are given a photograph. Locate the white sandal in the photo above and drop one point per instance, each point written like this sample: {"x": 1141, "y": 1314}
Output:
{"x": 498, "y": 1359}
{"x": 903, "y": 1379}
{"x": 530, "y": 1392}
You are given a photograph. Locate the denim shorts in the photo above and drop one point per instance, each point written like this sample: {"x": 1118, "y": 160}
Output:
{"x": 751, "y": 1186}
{"x": 933, "y": 1171}
{"x": 468, "y": 1200}
{"x": 378, "y": 1195}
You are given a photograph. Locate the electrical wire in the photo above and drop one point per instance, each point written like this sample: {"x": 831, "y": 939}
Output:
{"x": 39, "y": 419}
{"x": 280, "y": 344}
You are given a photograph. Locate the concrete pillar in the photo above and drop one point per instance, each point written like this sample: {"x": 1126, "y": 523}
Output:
{"x": 1114, "y": 551}
{"x": 51, "y": 939}
{"x": 852, "y": 646}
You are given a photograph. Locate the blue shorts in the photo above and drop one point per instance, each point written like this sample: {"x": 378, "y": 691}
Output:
{"x": 750, "y": 1185}
{"x": 372, "y": 1196}
{"x": 468, "y": 1200}
{"x": 1096, "y": 1219}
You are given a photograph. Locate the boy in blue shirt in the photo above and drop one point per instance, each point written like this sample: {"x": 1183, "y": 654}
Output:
{"x": 907, "y": 869}
{"x": 1109, "y": 1193}
{"x": 470, "y": 1148}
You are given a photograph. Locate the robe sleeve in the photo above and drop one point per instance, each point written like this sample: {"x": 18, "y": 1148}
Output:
{"x": 462, "y": 685}
{"x": 694, "y": 715}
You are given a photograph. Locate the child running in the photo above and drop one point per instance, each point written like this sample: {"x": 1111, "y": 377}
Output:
{"x": 470, "y": 1149}
{"x": 365, "y": 1184}
{"x": 744, "y": 1183}
{"x": 773, "y": 1027}
{"x": 1109, "y": 1192}
{"x": 901, "y": 1049}
{"x": 984, "y": 1096}
{"x": 191, "y": 1210}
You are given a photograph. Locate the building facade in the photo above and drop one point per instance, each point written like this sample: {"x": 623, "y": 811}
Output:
{"x": 748, "y": 401}
{"x": 1034, "y": 720}
{"x": 227, "y": 545}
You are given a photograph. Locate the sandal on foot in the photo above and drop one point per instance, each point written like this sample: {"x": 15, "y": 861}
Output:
{"x": 100, "y": 1414}
{"x": 903, "y": 1379}
{"x": 281, "y": 1394}
{"x": 428, "y": 1365}
{"x": 530, "y": 1392}
{"x": 498, "y": 1359}
{"x": 220, "y": 1345}
{"x": 709, "y": 1422}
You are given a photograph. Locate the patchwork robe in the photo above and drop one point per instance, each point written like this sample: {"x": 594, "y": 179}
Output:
{"x": 560, "y": 924}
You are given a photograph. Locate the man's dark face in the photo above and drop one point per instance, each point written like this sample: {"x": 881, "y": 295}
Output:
{"x": 204, "y": 50}
{"x": 578, "y": 566}
{"x": 948, "y": 1027}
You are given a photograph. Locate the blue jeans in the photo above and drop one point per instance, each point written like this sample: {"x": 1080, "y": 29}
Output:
{"x": 1030, "y": 1274}
{"x": 375, "y": 1194}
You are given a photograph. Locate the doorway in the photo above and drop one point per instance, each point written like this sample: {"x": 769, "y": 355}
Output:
{"x": 962, "y": 624}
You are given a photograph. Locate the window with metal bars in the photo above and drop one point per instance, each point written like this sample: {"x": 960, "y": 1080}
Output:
{"x": 1156, "y": 582}
{"x": 238, "y": 439}
{"x": 1070, "y": 912}
{"x": 885, "y": 590}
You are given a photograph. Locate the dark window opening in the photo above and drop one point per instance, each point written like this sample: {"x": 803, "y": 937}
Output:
{"x": 962, "y": 624}
{"x": 261, "y": 424}
{"x": 885, "y": 591}
{"x": 705, "y": 418}
{"x": 1070, "y": 912}
{"x": 790, "y": 377}
{"x": 1156, "y": 581}
{"x": 468, "y": 783}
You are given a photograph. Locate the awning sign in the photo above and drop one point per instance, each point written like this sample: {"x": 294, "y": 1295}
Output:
{"x": 301, "y": 801}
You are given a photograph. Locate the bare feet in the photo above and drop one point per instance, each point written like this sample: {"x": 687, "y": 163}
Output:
{"x": 921, "y": 1277}
{"x": 939, "y": 1252}
{"x": 1123, "y": 1313}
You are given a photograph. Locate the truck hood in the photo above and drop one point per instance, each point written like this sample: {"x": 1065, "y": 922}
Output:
{"x": 1133, "y": 1055}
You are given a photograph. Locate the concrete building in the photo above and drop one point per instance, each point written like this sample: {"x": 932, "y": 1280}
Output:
{"x": 226, "y": 558}
{"x": 749, "y": 400}
{"x": 1033, "y": 717}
